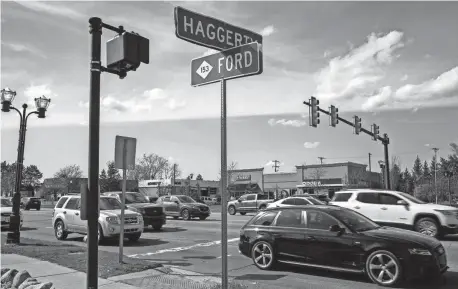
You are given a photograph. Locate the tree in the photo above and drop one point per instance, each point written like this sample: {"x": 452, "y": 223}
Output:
{"x": 113, "y": 177}
{"x": 68, "y": 172}
{"x": 191, "y": 176}
{"x": 103, "y": 181}
{"x": 8, "y": 178}
{"x": 31, "y": 176}
{"x": 426, "y": 171}
{"x": 395, "y": 173}
{"x": 150, "y": 167}
{"x": 417, "y": 170}
{"x": 168, "y": 171}
{"x": 199, "y": 177}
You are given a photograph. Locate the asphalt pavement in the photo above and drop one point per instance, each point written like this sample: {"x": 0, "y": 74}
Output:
{"x": 194, "y": 246}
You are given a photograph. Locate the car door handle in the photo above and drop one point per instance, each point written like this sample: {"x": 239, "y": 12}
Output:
{"x": 384, "y": 208}
{"x": 357, "y": 207}
{"x": 65, "y": 212}
{"x": 77, "y": 214}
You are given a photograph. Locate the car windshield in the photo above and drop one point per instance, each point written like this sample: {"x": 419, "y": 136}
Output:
{"x": 315, "y": 201}
{"x": 353, "y": 220}
{"x": 135, "y": 198}
{"x": 411, "y": 198}
{"x": 109, "y": 204}
{"x": 186, "y": 199}
{"x": 6, "y": 203}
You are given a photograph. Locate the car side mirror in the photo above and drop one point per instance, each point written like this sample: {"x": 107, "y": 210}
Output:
{"x": 176, "y": 202}
{"x": 337, "y": 229}
{"x": 239, "y": 200}
{"x": 402, "y": 203}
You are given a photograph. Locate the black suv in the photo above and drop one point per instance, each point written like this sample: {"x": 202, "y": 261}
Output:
{"x": 31, "y": 203}
{"x": 184, "y": 207}
{"x": 153, "y": 214}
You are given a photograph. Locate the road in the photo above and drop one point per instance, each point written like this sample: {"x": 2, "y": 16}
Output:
{"x": 195, "y": 246}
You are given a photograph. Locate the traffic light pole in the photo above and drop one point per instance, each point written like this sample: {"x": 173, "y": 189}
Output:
{"x": 385, "y": 141}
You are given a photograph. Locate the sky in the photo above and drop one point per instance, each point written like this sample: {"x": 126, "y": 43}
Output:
{"x": 391, "y": 63}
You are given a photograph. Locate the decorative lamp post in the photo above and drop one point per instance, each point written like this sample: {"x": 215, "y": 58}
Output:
{"x": 42, "y": 103}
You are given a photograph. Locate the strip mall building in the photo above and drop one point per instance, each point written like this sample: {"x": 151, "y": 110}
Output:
{"x": 313, "y": 179}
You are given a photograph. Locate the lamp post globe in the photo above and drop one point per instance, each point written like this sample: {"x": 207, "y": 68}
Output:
{"x": 7, "y": 98}
{"x": 42, "y": 104}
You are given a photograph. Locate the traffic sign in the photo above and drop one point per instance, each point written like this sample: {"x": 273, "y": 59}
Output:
{"x": 236, "y": 62}
{"x": 211, "y": 32}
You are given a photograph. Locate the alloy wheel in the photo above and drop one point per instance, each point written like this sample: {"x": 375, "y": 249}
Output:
{"x": 59, "y": 230}
{"x": 428, "y": 228}
{"x": 262, "y": 255}
{"x": 384, "y": 269}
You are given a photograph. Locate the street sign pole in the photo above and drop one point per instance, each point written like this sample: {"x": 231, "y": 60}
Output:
{"x": 223, "y": 186}
{"x": 93, "y": 171}
{"x": 123, "y": 200}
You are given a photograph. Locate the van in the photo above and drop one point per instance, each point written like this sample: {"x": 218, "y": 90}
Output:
{"x": 208, "y": 200}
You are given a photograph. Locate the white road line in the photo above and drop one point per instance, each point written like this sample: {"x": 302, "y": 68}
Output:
{"x": 178, "y": 249}
{"x": 221, "y": 256}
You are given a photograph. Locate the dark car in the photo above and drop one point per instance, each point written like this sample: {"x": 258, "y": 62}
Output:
{"x": 339, "y": 239}
{"x": 153, "y": 214}
{"x": 184, "y": 207}
{"x": 31, "y": 203}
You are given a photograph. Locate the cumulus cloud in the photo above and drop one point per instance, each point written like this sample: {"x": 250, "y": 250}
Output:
{"x": 311, "y": 145}
{"x": 443, "y": 87}
{"x": 268, "y": 30}
{"x": 360, "y": 69}
{"x": 17, "y": 47}
{"x": 35, "y": 91}
{"x": 174, "y": 104}
{"x": 427, "y": 145}
{"x": 293, "y": 123}
{"x": 155, "y": 94}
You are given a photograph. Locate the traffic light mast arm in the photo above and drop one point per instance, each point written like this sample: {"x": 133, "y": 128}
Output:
{"x": 349, "y": 123}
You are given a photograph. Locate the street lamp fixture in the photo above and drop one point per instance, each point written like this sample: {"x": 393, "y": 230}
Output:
{"x": 42, "y": 104}
{"x": 7, "y": 98}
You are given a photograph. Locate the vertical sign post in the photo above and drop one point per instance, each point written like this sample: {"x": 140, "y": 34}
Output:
{"x": 124, "y": 159}
{"x": 240, "y": 56}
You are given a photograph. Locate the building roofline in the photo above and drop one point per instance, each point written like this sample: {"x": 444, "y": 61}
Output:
{"x": 246, "y": 170}
{"x": 331, "y": 165}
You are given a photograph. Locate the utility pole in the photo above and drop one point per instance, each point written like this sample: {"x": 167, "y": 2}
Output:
{"x": 321, "y": 159}
{"x": 435, "y": 171}
{"x": 173, "y": 179}
{"x": 276, "y": 165}
{"x": 370, "y": 171}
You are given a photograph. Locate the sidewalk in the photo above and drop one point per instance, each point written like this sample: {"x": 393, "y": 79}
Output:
{"x": 65, "y": 278}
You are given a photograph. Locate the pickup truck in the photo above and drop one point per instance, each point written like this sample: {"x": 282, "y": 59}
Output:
{"x": 248, "y": 203}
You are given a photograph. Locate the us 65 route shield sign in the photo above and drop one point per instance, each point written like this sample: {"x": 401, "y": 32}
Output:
{"x": 232, "y": 63}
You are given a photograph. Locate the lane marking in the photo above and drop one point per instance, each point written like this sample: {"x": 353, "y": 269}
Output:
{"x": 179, "y": 249}
{"x": 222, "y": 256}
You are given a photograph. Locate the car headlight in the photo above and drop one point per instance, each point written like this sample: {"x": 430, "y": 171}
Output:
{"x": 448, "y": 212}
{"x": 140, "y": 218}
{"x": 423, "y": 252}
{"x": 113, "y": 220}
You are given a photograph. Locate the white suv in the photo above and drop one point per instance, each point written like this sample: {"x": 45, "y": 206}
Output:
{"x": 66, "y": 219}
{"x": 399, "y": 209}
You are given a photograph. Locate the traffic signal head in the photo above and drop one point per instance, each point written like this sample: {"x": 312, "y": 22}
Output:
{"x": 334, "y": 112}
{"x": 314, "y": 112}
{"x": 357, "y": 124}
{"x": 375, "y": 131}
{"x": 125, "y": 52}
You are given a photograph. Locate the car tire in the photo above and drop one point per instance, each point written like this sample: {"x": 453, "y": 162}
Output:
{"x": 38, "y": 208}
{"x": 202, "y": 218}
{"x": 134, "y": 237}
{"x": 232, "y": 210}
{"x": 428, "y": 226}
{"x": 27, "y": 208}
{"x": 384, "y": 268}
{"x": 59, "y": 231}
{"x": 185, "y": 215}
{"x": 263, "y": 255}
{"x": 157, "y": 227}
{"x": 243, "y": 213}
{"x": 175, "y": 217}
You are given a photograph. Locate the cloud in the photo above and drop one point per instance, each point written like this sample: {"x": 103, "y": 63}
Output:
{"x": 360, "y": 69}
{"x": 60, "y": 9}
{"x": 155, "y": 94}
{"x": 405, "y": 77}
{"x": 293, "y": 123}
{"x": 311, "y": 145}
{"x": 271, "y": 163}
{"x": 17, "y": 47}
{"x": 174, "y": 104}
{"x": 377, "y": 100}
{"x": 427, "y": 56}
{"x": 427, "y": 145}
{"x": 268, "y": 30}
{"x": 36, "y": 91}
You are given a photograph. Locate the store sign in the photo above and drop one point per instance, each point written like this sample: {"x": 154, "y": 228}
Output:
{"x": 243, "y": 178}
{"x": 312, "y": 184}
{"x": 321, "y": 182}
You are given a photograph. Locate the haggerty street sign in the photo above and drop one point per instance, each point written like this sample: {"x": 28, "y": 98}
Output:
{"x": 236, "y": 62}
{"x": 210, "y": 32}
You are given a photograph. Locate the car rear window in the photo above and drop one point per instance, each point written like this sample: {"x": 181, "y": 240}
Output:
{"x": 61, "y": 202}
{"x": 341, "y": 197}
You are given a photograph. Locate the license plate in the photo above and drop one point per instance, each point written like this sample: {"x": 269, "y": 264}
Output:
{"x": 5, "y": 219}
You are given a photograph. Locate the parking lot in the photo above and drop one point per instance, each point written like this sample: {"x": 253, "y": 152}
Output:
{"x": 195, "y": 246}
